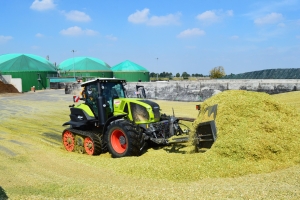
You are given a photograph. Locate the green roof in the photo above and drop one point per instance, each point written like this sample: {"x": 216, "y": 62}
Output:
{"x": 128, "y": 66}
{"x": 24, "y": 62}
{"x": 84, "y": 64}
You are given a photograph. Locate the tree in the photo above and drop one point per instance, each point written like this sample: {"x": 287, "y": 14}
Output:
{"x": 152, "y": 74}
{"x": 185, "y": 75}
{"x": 163, "y": 74}
{"x": 198, "y": 75}
{"x": 217, "y": 72}
{"x": 177, "y": 75}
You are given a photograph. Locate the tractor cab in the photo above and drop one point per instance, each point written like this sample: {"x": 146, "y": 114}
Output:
{"x": 105, "y": 89}
{"x": 99, "y": 96}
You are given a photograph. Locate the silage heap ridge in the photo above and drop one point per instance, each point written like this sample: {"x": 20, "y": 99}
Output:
{"x": 256, "y": 134}
{"x": 254, "y": 127}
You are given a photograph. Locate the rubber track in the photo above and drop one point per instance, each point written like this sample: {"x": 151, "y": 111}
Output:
{"x": 95, "y": 138}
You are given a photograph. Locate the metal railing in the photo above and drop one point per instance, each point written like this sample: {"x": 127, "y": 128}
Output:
{"x": 3, "y": 79}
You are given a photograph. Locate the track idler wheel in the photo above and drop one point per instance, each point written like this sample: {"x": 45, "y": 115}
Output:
{"x": 89, "y": 146}
{"x": 68, "y": 140}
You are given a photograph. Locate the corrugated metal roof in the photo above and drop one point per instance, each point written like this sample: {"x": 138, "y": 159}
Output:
{"x": 83, "y": 64}
{"x": 24, "y": 62}
{"x": 128, "y": 66}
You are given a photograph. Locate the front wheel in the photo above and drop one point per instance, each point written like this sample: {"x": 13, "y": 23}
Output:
{"x": 123, "y": 139}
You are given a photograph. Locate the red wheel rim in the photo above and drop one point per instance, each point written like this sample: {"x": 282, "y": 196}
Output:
{"x": 89, "y": 146}
{"x": 69, "y": 141}
{"x": 118, "y": 141}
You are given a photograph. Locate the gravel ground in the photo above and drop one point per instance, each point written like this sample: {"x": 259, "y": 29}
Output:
{"x": 39, "y": 95}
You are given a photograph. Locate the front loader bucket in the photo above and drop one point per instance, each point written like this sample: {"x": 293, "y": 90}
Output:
{"x": 206, "y": 134}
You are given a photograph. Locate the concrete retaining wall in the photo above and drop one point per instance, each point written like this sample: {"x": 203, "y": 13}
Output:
{"x": 203, "y": 89}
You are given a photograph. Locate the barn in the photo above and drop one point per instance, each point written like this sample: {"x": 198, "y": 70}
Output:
{"x": 84, "y": 68}
{"x": 131, "y": 72}
{"x": 32, "y": 70}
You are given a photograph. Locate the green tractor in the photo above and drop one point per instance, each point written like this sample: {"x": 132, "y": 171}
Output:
{"x": 109, "y": 121}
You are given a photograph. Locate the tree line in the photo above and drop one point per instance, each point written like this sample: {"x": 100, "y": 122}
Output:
{"x": 216, "y": 72}
{"x": 170, "y": 75}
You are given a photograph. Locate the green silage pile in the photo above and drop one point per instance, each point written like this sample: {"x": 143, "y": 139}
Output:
{"x": 256, "y": 134}
{"x": 254, "y": 126}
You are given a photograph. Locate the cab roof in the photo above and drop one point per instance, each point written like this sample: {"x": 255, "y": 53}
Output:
{"x": 103, "y": 80}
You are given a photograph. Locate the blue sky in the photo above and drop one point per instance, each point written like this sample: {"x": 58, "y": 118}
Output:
{"x": 190, "y": 36}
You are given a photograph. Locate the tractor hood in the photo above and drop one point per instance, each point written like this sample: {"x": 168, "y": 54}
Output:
{"x": 138, "y": 110}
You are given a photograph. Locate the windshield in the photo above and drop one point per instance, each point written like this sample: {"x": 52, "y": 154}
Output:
{"x": 113, "y": 90}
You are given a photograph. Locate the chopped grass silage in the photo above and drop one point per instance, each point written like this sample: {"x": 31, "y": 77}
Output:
{"x": 254, "y": 129}
{"x": 41, "y": 170}
{"x": 239, "y": 150}
{"x": 291, "y": 98}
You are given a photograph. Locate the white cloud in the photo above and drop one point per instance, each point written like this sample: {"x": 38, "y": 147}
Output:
{"x": 264, "y": 7}
{"x": 4, "y": 39}
{"x": 90, "y": 32}
{"x": 142, "y": 17}
{"x": 212, "y": 16}
{"x": 208, "y": 16}
{"x": 191, "y": 33}
{"x": 111, "y": 37}
{"x": 41, "y": 5}
{"x": 271, "y": 18}
{"x": 77, "y": 16}
{"x": 139, "y": 16}
{"x": 234, "y": 37}
{"x": 39, "y": 35}
{"x": 77, "y": 31}
{"x": 164, "y": 20}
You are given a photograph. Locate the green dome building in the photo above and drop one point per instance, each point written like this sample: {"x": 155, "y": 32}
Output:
{"x": 131, "y": 72}
{"x": 32, "y": 69}
{"x": 85, "y": 67}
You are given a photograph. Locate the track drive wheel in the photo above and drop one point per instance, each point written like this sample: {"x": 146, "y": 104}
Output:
{"x": 123, "y": 139}
{"x": 68, "y": 140}
{"x": 90, "y": 148}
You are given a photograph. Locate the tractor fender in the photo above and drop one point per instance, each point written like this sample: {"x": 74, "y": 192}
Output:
{"x": 113, "y": 118}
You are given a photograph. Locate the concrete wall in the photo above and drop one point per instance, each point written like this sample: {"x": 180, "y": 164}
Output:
{"x": 17, "y": 83}
{"x": 203, "y": 89}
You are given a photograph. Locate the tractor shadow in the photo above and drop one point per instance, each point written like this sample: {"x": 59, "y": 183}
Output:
{"x": 3, "y": 195}
{"x": 175, "y": 148}
{"x": 179, "y": 148}
{"x": 54, "y": 137}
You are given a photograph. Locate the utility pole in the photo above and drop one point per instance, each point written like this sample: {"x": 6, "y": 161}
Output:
{"x": 157, "y": 68}
{"x": 74, "y": 64}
